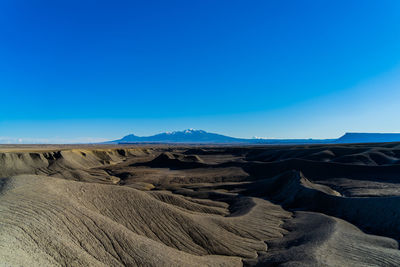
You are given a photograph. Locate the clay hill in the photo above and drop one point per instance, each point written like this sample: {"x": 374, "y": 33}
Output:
{"x": 160, "y": 205}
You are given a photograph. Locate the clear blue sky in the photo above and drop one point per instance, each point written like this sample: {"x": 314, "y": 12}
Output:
{"x": 84, "y": 70}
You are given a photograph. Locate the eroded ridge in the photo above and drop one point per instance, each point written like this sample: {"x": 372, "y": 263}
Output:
{"x": 200, "y": 206}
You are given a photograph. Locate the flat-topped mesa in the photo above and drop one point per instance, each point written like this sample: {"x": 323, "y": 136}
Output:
{"x": 369, "y": 138}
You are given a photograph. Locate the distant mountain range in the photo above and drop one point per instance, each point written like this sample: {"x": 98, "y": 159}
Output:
{"x": 203, "y": 137}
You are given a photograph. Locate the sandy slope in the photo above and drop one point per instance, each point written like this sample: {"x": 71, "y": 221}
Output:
{"x": 200, "y": 206}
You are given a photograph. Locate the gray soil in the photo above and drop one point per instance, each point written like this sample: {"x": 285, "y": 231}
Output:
{"x": 320, "y": 205}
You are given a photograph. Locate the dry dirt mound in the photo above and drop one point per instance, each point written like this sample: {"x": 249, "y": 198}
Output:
{"x": 323, "y": 205}
{"x": 315, "y": 239}
{"x": 74, "y": 164}
{"x": 74, "y": 223}
{"x": 175, "y": 161}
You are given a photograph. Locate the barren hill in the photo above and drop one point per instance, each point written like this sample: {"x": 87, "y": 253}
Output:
{"x": 321, "y": 205}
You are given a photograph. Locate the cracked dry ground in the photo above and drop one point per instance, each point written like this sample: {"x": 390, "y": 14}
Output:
{"x": 332, "y": 205}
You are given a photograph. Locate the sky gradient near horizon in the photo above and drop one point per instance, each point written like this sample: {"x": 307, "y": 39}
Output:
{"x": 87, "y": 71}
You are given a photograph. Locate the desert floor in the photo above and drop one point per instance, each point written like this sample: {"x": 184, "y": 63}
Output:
{"x": 159, "y": 205}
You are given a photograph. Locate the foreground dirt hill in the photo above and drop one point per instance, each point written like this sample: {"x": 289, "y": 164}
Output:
{"x": 335, "y": 205}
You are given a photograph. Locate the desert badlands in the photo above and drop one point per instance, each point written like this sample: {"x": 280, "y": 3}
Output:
{"x": 159, "y": 205}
